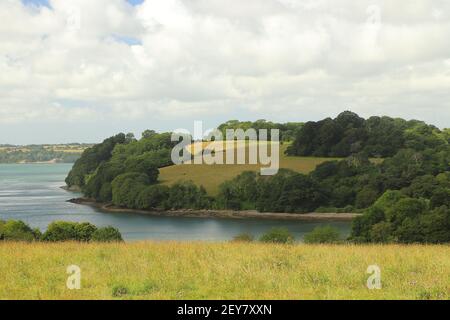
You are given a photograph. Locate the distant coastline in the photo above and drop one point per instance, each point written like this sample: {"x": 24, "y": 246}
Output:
{"x": 53, "y": 161}
{"x": 226, "y": 214}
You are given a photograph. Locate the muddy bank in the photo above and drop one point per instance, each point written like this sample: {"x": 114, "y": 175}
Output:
{"x": 228, "y": 214}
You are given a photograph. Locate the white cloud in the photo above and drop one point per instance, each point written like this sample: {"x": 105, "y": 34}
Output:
{"x": 83, "y": 60}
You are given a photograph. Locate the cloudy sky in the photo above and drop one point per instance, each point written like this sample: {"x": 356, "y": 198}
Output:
{"x": 82, "y": 70}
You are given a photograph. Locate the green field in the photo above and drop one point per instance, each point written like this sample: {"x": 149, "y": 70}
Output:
{"x": 173, "y": 270}
{"x": 211, "y": 176}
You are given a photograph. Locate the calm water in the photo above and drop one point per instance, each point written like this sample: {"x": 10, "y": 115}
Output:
{"x": 32, "y": 193}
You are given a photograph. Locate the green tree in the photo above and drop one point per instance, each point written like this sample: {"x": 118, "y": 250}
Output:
{"x": 17, "y": 231}
{"x": 61, "y": 231}
{"x": 107, "y": 234}
{"x": 126, "y": 188}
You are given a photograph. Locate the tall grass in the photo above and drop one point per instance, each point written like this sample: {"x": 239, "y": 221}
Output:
{"x": 172, "y": 270}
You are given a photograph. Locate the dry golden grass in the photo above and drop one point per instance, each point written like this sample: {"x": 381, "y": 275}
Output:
{"x": 211, "y": 176}
{"x": 172, "y": 270}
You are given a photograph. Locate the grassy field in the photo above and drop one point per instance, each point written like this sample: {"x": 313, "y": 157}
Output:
{"x": 211, "y": 176}
{"x": 171, "y": 270}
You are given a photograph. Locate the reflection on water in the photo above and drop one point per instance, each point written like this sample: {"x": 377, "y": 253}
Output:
{"x": 32, "y": 193}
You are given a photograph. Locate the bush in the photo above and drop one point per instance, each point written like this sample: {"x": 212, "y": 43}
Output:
{"x": 84, "y": 231}
{"x": 325, "y": 234}
{"x": 73, "y": 231}
{"x": 2, "y": 223}
{"x": 277, "y": 235}
{"x": 61, "y": 231}
{"x": 17, "y": 231}
{"x": 107, "y": 234}
{"x": 243, "y": 237}
{"x": 58, "y": 231}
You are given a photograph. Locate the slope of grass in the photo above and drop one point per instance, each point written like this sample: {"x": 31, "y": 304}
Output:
{"x": 172, "y": 270}
{"x": 211, "y": 176}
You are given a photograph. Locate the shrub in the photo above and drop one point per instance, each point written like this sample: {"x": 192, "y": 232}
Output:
{"x": 84, "y": 231}
{"x": 61, "y": 231}
{"x": 244, "y": 237}
{"x": 17, "y": 231}
{"x": 2, "y": 223}
{"x": 69, "y": 231}
{"x": 107, "y": 234}
{"x": 277, "y": 235}
{"x": 58, "y": 231}
{"x": 325, "y": 234}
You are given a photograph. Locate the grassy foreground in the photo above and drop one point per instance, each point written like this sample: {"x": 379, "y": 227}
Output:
{"x": 172, "y": 270}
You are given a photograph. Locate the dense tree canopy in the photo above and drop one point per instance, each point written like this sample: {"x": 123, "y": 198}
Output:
{"x": 91, "y": 159}
{"x": 288, "y": 130}
{"x": 376, "y": 137}
{"x": 287, "y": 191}
{"x": 396, "y": 217}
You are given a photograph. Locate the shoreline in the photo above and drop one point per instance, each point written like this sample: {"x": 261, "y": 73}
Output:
{"x": 37, "y": 162}
{"x": 225, "y": 214}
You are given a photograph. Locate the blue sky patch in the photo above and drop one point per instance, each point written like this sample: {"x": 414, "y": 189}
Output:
{"x": 127, "y": 40}
{"x": 135, "y": 2}
{"x": 37, "y": 3}
{"x": 40, "y": 3}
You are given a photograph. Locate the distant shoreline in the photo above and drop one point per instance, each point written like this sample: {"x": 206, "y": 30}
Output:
{"x": 38, "y": 162}
{"x": 226, "y": 214}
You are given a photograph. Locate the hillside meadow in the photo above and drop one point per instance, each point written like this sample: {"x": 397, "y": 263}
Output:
{"x": 211, "y": 176}
{"x": 174, "y": 270}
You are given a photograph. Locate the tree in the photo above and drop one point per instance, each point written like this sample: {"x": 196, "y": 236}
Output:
{"x": 106, "y": 234}
{"x": 61, "y": 231}
{"x": 348, "y": 133}
{"x": 126, "y": 188}
{"x": 381, "y": 232}
{"x": 152, "y": 197}
{"x": 366, "y": 197}
{"x": 91, "y": 159}
{"x": 84, "y": 231}
{"x": 17, "y": 231}
{"x": 129, "y": 137}
{"x": 148, "y": 134}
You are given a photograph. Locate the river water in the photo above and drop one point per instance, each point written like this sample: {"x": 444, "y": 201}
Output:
{"x": 32, "y": 193}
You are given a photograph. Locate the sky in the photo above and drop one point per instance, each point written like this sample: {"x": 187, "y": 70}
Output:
{"x": 83, "y": 70}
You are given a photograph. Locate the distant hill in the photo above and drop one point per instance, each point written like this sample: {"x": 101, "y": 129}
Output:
{"x": 404, "y": 193}
{"x": 52, "y": 153}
